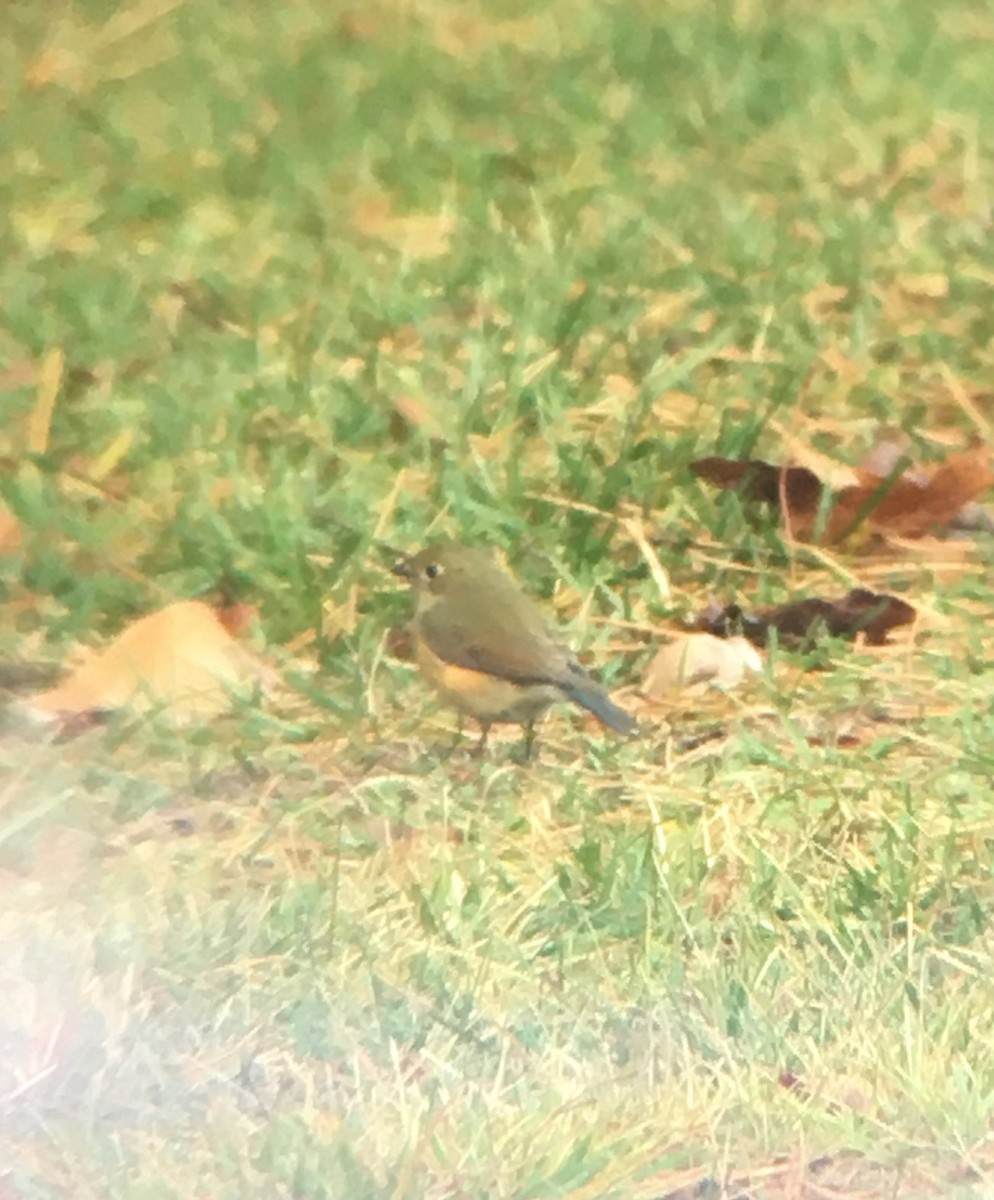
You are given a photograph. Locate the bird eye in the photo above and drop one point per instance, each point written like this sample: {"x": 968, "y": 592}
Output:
{"x": 433, "y": 570}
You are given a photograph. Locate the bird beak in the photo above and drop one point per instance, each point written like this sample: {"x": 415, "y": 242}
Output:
{"x": 403, "y": 569}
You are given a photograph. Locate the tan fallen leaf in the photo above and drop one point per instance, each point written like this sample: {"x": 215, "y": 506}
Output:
{"x": 180, "y": 658}
{"x": 696, "y": 661}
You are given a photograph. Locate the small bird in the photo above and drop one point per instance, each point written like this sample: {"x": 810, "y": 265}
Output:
{"x": 487, "y": 648}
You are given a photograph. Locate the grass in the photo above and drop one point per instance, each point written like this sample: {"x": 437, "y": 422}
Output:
{"x": 313, "y": 277}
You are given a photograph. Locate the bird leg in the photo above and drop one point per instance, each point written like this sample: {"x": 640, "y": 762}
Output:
{"x": 529, "y": 740}
{"x": 481, "y": 745}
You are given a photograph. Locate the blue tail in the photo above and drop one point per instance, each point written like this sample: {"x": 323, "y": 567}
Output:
{"x": 596, "y": 701}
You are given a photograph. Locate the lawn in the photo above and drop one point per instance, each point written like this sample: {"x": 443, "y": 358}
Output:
{"x": 286, "y": 287}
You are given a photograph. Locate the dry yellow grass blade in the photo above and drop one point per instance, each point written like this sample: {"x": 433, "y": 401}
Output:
{"x": 50, "y": 374}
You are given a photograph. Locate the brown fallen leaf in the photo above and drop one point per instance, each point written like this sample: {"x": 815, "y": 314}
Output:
{"x": 872, "y": 614}
{"x": 911, "y": 504}
{"x": 887, "y": 455}
{"x": 762, "y": 481}
{"x": 695, "y": 661}
{"x": 180, "y": 658}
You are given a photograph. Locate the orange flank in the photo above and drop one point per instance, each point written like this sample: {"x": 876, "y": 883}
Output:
{"x": 483, "y": 696}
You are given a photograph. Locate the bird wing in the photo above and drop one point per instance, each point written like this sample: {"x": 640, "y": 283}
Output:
{"x": 520, "y": 651}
